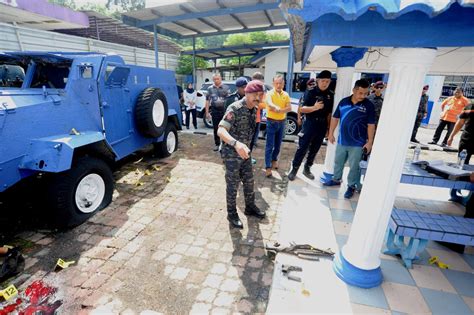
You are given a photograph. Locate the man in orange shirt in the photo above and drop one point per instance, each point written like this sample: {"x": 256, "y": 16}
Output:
{"x": 452, "y": 108}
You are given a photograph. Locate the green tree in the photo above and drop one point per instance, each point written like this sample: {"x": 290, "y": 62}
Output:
{"x": 185, "y": 64}
{"x": 126, "y": 5}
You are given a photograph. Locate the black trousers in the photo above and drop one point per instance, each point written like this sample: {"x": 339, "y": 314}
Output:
{"x": 188, "y": 114}
{"x": 217, "y": 116}
{"x": 314, "y": 131}
{"x": 439, "y": 130}
{"x": 416, "y": 126}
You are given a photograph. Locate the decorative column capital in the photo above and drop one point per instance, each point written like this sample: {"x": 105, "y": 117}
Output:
{"x": 413, "y": 56}
{"x": 347, "y": 56}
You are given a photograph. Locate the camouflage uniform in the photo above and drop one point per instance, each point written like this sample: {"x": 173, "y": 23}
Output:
{"x": 240, "y": 121}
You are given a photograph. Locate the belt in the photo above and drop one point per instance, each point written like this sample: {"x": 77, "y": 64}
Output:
{"x": 276, "y": 120}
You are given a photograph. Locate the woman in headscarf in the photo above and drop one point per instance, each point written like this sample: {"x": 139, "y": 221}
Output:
{"x": 190, "y": 96}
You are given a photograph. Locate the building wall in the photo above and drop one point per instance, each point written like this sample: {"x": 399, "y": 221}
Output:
{"x": 14, "y": 38}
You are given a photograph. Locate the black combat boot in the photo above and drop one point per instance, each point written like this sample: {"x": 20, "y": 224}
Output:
{"x": 234, "y": 220}
{"x": 255, "y": 211}
{"x": 292, "y": 174}
{"x": 307, "y": 172}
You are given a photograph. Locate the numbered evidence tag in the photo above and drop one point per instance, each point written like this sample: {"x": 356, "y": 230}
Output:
{"x": 9, "y": 292}
{"x": 64, "y": 264}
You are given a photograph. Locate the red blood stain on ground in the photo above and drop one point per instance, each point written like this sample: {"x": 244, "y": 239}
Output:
{"x": 35, "y": 301}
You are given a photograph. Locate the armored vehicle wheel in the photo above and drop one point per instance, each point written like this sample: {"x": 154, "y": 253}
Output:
{"x": 207, "y": 122}
{"x": 151, "y": 112}
{"x": 169, "y": 143}
{"x": 77, "y": 194}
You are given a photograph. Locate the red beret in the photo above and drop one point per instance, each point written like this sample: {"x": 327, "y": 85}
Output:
{"x": 254, "y": 86}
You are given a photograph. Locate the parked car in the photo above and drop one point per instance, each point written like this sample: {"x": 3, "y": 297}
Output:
{"x": 72, "y": 116}
{"x": 292, "y": 127}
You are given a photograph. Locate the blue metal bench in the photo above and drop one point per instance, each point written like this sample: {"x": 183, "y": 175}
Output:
{"x": 415, "y": 175}
{"x": 420, "y": 227}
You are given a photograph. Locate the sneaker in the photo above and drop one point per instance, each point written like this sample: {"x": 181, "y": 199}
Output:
{"x": 443, "y": 145}
{"x": 431, "y": 142}
{"x": 216, "y": 148}
{"x": 349, "y": 192}
{"x": 415, "y": 141}
{"x": 254, "y": 161}
{"x": 332, "y": 182}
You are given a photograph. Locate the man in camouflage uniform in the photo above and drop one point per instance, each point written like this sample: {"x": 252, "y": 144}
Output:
{"x": 236, "y": 130}
{"x": 421, "y": 114}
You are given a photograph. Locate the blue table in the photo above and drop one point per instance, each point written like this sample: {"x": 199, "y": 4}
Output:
{"x": 415, "y": 175}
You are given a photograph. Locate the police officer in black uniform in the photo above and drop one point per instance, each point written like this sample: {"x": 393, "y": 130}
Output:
{"x": 236, "y": 130}
{"x": 240, "y": 83}
{"x": 317, "y": 108}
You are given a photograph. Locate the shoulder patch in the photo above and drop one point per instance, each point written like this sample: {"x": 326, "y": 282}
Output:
{"x": 229, "y": 116}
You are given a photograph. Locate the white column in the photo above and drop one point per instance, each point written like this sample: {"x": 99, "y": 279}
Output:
{"x": 436, "y": 87}
{"x": 408, "y": 67}
{"x": 343, "y": 89}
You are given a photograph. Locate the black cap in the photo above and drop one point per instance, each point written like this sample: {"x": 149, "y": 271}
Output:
{"x": 325, "y": 74}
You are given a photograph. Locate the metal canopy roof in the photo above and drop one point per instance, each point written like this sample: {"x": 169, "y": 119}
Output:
{"x": 107, "y": 29}
{"x": 238, "y": 50}
{"x": 41, "y": 14}
{"x": 209, "y": 17}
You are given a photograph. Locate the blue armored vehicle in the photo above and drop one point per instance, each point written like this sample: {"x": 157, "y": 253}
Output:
{"x": 72, "y": 115}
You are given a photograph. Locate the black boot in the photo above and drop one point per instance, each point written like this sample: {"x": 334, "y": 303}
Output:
{"x": 255, "y": 211}
{"x": 234, "y": 220}
{"x": 292, "y": 174}
{"x": 307, "y": 172}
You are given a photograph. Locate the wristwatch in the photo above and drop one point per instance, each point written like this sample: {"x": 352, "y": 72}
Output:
{"x": 233, "y": 143}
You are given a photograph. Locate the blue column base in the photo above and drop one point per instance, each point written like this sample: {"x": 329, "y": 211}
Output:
{"x": 352, "y": 275}
{"x": 325, "y": 178}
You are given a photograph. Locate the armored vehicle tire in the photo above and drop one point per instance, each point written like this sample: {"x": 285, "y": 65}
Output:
{"x": 77, "y": 194}
{"x": 151, "y": 112}
{"x": 207, "y": 122}
{"x": 169, "y": 144}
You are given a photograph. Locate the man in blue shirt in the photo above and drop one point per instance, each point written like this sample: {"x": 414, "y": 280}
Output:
{"x": 357, "y": 117}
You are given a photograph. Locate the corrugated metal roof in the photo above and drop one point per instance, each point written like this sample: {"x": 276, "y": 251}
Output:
{"x": 209, "y": 17}
{"x": 107, "y": 29}
{"x": 237, "y": 50}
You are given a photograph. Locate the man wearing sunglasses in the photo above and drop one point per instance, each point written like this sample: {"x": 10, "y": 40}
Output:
{"x": 377, "y": 99}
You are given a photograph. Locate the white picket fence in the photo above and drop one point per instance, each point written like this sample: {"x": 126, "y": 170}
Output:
{"x": 16, "y": 38}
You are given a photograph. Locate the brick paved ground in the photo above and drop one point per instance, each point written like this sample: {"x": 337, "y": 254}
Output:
{"x": 165, "y": 245}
